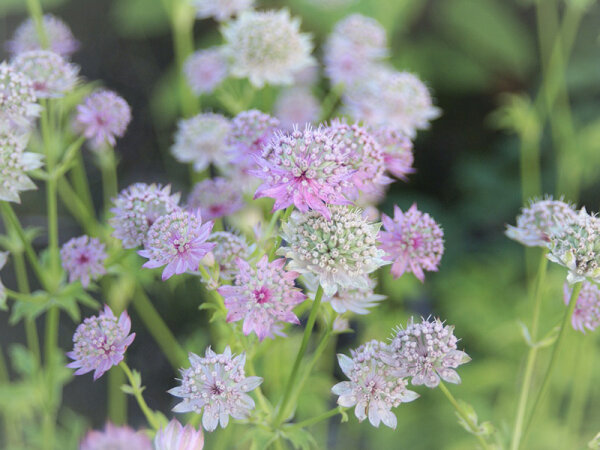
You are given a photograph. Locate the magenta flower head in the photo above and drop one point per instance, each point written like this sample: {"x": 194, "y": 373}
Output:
{"x": 178, "y": 241}
{"x": 15, "y": 162}
{"x": 205, "y": 70}
{"x": 137, "y": 208}
{"x": 216, "y": 386}
{"x": 100, "y": 342}
{"x": 83, "y": 258}
{"x": 426, "y": 352}
{"x": 413, "y": 241}
{"x": 539, "y": 220}
{"x": 60, "y": 38}
{"x": 264, "y": 296}
{"x": 115, "y": 438}
{"x": 177, "y": 437}
{"x": 397, "y": 151}
{"x": 18, "y": 107}
{"x": 373, "y": 388}
{"x": 51, "y": 75}
{"x": 215, "y": 198}
{"x": 304, "y": 169}
{"x": 102, "y": 117}
{"x": 296, "y": 107}
{"x": 229, "y": 248}
{"x": 587, "y": 309}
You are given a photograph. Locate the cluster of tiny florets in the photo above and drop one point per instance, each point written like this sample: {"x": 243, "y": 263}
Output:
{"x": 175, "y": 436}
{"x": 15, "y": 162}
{"x": 397, "y": 151}
{"x": 215, "y": 198}
{"x": 201, "y": 141}
{"x": 100, "y": 343}
{"x": 296, "y": 107}
{"x": 538, "y": 221}
{"x": 266, "y": 47}
{"x": 263, "y": 296}
{"x": 58, "y": 34}
{"x": 426, "y": 352}
{"x": 18, "y": 105}
{"x": 216, "y": 385}
{"x": 220, "y": 10}
{"x": 340, "y": 252}
{"x": 49, "y": 73}
{"x": 229, "y": 247}
{"x": 587, "y": 310}
{"x": 83, "y": 259}
{"x": 136, "y": 208}
{"x": 250, "y": 131}
{"x": 374, "y": 387}
{"x": 115, "y": 438}
{"x": 205, "y": 70}
{"x": 413, "y": 241}
{"x": 576, "y": 245}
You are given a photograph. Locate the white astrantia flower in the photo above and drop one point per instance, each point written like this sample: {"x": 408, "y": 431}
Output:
{"x": 266, "y": 47}
{"x": 52, "y": 76}
{"x": 356, "y": 300}
{"x": 15, "y": 162}
{"x": 18, "y": 105}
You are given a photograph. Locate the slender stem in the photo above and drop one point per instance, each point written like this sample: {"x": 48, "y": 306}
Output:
{"x": 553, "y": 357}
{"x": 117, "y": 401}
{"x": 317, "y": 419}
{"x": 304, "y": 344}
{"x": 277, "y": 243}
{"x": 464, "y": 416}
{"x": 150, "y": 417}
{"x": 35, "y": 11}
{"x": 51, "y": 336}
{"x": 330, "y": 101}
{"x": 182, "y": 24}
{"x": 76, "y": 206}
{"x": 108, "y": 170}
{"x": 81, "y": 184}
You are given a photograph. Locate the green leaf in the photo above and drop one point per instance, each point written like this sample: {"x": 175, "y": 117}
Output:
{"x": 301, "y": 439}
{"x": 22, "y": 360}
{"x": 127, "y": 389}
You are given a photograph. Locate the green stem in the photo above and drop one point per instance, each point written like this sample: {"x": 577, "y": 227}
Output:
{"x": 81, "y": 184}
{"x": 330, "y": 101}
{"x": 326, "y": 415}
{"x": 304, "y": 344}
{"x": 36, "y": 13}
{"x": 108, "y": 170}
{"x": 463, "y": 415}
{"x": 553, "y": 357}
{"x": 117, "y": 401}
{"x": 76, "y": 207}
{"x": 137, "y": 393}
{"x": 182, "y": 25}
{"x": 51, "y": 336}
{"x": 277, "y": 243}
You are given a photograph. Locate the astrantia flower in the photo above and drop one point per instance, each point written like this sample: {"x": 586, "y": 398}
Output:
{"x": 15, "y": 162}
{"x": 229, "y": 247}
{"x": 264, "y": 296}
{"x": 221, "y": 10}
{"x": 587, "y": 309}
{"x": 177, "y": 437}
{"x": 357, "y": 300}
{"x": 296, "y": 106}
{"x": 537, "y": 221}
{"x": 137, "y": 208}
{"x": 115, "y": 438}
{"x": 18, "y": 105}
{"x": 83, "y": 259}
{"x": 305, "y": 169}
{"x": 413, "y": 241}
{"x": 266, "y": 47}
{"x": 426, "y": 352}
{"x": 395, "y": 99}
{"x": 177, "y": 241}
{"x": 340, "y": 252}
{"x": 215, "y": 198}
{"x": 205, "y": 70}
{"x": 103, "y": 116}
{"x": 216, "y": 386}
{"x": 374, "y": 386}
{"x": 59, "y": 36}
{"x": 100, "y": 342}
{"x": 397, "y": 151}
{"x": 250, "y": 132}
{"x": 575, "y": 244}
{"x": 201, "y": 140}
{"x": 50, "y": 74}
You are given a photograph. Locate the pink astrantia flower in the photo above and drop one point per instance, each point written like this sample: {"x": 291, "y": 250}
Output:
{"x": 374, "y": 386}
{"x": 177, "y": 241}
{"x": 250, "y": 131}
{"x": 215, "y": 198}
{"x": 296, "y": 107}
{"x": 413, "y": 241}
{"x": 205, "y": 70}
{"x": 397, "y": 151}
{"x": 587, "y": 309}
{"x": 83, "y": 259}
{"x": 229, "y": 248}
{"x": 115, "y": 438}
{"x": 100, "y": 342}
{"x": 103, "y": 116}
{"x": 304, "y": 169}
{"x": 59, "y": 36}
{"x": 216, "y": 386}
{"x": 177, "y": 437}
{"x": 264, "y": 296}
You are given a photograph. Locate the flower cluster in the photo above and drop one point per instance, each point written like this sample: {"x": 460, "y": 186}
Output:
{"x": 205, "y": 70}
{"x": 177, "y": 437}
{"x": 397, "y": 151}
{"x": 229, "y": 247}
{"x": 296, "y": 107}
{"x": 15, "y": 162}
{"x": 18, "y": 105}
{"x": 215, "y": 198}
{"x": 59, "y": 37}
{"x": 250, "y": 131}
{"x": 115, "y": 438}
{"x": 50, "y": 74}
{"x": 83, "y": 259}
{"x": 587, "y": 310}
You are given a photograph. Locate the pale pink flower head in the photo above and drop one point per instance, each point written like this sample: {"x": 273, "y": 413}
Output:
{"x": 60, "y": 38}
{"x": 175, "y": 436}
{"x": 50, "y": 74}
{"x": 539, "y": 220}
{"x": 263, "y": 296}
{"x": 426, "y": 352}
{"x": 100, "y": 342}
{"x": 83, "y": 258}
{"x": 250, "y": 131}
{"x": 216, "y": 386}
{"x": 178, "y": 241}
{"x": 373, "y": 388}
{"x": 413, "y": 241}
{"x": 296, "y": 107}
{"x": 15, "y": 162}
{"x": 136, "y": 208}
{"x": 102, "y": 117}
{"x": 356, "y": 300}
{"x": 229, "y": 247}
{"x": 587, "y": 309}
{"x": 215, "y": 198}
{"x": 397, "y": 151}
{"x": 304, "y": 169}
{"x": 205, "y": 70}
{"x": 18, "y": 101}
{"x": 221, "y": 10}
